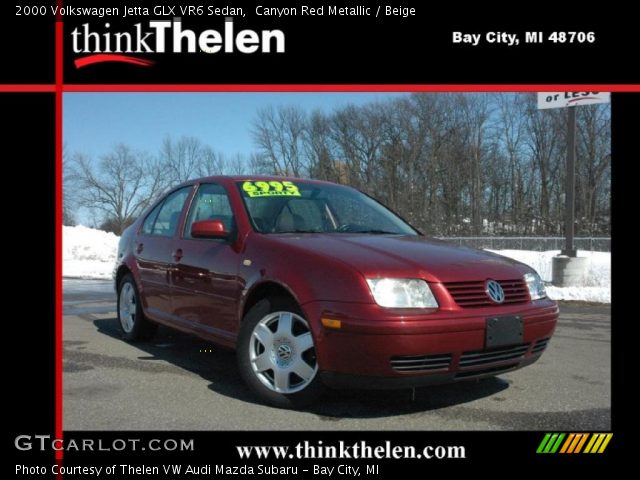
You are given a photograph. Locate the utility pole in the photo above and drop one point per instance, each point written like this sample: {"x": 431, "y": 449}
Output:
{"x": 570, "y": 193}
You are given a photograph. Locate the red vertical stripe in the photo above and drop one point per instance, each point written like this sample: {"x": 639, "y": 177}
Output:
{"x": 58, "y": 235}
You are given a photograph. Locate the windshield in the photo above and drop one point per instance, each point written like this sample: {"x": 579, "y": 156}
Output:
{"x": 300, "y": 207}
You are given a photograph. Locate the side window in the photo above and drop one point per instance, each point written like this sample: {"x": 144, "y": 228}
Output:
{"x": 166, "y": 222}
{"x": 147, "y": 226}
{"x": 210, "y": 203}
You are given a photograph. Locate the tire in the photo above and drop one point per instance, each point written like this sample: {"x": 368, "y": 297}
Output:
{"x": 131, "y": 320}
{"x": 276, "y": 354}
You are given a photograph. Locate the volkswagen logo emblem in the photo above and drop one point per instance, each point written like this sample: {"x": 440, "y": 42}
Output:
{"x": 495, "y": 291}
{"x": 284, "y": 352}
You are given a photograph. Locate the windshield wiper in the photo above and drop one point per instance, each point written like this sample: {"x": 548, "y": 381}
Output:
{"x": 298, "y": 230}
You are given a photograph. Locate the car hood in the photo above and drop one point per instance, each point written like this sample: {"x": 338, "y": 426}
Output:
{"x": 407, "y": 256}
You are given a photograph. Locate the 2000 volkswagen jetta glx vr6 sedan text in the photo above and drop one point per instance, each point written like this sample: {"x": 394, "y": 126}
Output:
{"x": 318, "y": 284}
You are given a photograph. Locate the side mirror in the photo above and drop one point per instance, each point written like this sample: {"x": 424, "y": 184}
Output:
{"x": 208, "y": 229}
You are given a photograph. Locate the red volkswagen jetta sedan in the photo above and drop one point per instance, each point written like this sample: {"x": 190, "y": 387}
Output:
{"x": 318, "y": 284}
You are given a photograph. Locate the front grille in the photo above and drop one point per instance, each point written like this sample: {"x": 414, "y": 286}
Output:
{"x": 417, "y": 363}
{"x": 474, "y": 359}
{"x": 540, "y": 345}
{"x": 473, "y": 294}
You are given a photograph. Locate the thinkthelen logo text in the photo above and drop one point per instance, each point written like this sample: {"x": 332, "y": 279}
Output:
{"x": 167, "y": 36}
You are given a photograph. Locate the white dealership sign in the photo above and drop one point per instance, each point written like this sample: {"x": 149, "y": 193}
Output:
{"x": 570, "y": 99}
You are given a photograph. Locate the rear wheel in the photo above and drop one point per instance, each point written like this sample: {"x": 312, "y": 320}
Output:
{"x": 133, "y": 324}
{"x": 276, "y": 354}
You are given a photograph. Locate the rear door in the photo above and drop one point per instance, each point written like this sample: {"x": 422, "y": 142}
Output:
{"x": 153, "y": 251}
{"x": 205, "y": 279}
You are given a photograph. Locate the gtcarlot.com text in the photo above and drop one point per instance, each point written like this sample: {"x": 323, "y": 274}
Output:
{"x": 46, "y": 442}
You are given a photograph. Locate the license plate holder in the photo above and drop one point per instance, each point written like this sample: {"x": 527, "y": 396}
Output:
{"x": 503, "y": 331}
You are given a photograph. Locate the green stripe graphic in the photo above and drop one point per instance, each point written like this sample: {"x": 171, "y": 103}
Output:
{"x": 543, "y": 443}
{"x": 558, "y": 442}
{"x": 547, "y": 449}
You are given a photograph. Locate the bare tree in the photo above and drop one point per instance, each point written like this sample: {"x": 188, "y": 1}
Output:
{"x": 237, "y": 165}
{"x": 319, "y": 149}
{"x": 358, "y": 133}
{"x": 278, "y": 134}
{"x": 593, "y": 167}
{"x": 211, "y": 163}
{"x": 450, "y": 163}
{"x": 475, "y": 112}
{"x": 259, "y": 165}
{"x": 69, "y": 190}
{"x": 513, "y": 175}
{"x": 119, "y": 186}
{"x": 183, "y": 159}
{"x": 546, "y": 140}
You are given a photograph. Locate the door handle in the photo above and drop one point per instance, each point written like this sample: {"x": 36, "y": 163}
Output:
{"x": 177, "y": 255}
{"x": 140, "y": 248}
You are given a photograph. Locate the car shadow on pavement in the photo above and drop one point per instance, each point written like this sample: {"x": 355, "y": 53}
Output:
{"x": 218, "y": 366}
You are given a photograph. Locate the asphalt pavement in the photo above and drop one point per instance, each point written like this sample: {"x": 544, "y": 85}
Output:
{"x": 181, "y": 382}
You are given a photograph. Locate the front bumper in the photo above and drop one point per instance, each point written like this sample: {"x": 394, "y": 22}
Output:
{"x": 383, "y": 348}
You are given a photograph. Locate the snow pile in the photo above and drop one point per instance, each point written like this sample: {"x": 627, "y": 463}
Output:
{"x": 584, "y": 294}
{"x": 596, "y": 286}
{"x": 88, "y": 253}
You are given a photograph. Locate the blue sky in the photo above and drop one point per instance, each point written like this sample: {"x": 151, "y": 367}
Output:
{"x": 95, "y": 122}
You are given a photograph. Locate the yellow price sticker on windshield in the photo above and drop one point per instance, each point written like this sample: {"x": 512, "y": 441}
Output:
{"x": 270, "y": 189}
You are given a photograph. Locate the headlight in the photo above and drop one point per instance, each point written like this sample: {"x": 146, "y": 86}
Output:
{"x": 402, "y": 293}
{"x": 535, "y": 285}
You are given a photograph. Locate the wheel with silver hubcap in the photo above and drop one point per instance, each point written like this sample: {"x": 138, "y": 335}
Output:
{"x": 133, "y": 324}
{"x": 127, "y": 308}
{"x": 276, "y": 354}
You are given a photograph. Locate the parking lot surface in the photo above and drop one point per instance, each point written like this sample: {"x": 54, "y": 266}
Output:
{"x": 180, "y": 382}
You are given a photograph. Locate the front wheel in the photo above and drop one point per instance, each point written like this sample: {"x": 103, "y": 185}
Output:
{"x": 276, "y": 354}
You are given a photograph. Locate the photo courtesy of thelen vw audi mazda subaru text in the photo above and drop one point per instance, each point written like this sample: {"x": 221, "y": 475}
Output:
{"x": 316, "y": 284}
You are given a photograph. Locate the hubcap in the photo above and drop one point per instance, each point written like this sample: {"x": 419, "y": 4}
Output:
{"x": 127, "y": 307}
{"x": 282, "y": 353}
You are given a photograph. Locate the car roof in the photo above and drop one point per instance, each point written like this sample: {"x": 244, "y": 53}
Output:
{"x": 227, "y": 179}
